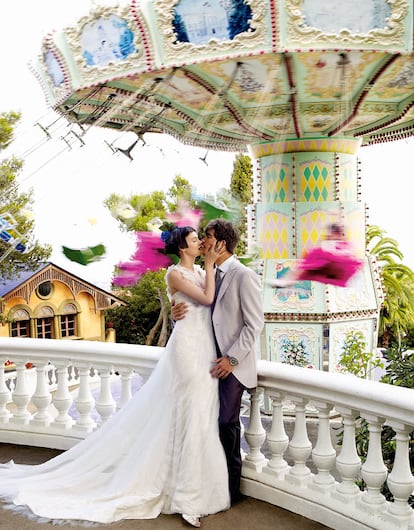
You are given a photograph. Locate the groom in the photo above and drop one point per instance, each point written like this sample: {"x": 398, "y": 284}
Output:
{"x": 237, "y": 316}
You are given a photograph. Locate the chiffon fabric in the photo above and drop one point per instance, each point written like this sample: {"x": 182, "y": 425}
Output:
{"x": 160, "y": 453}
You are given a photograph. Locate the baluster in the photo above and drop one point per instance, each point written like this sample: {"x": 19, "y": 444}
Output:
{"x": 400, "y": 480}
{"x": 373, "y": 471}
{"x": 62, "y": 400}
{"x": 84, "y": 402}
{"x": 300, "y": 446}
{"x": 126, "y": 392}
{"x": 41, "y": 397}
{"x": 105, "y": 404}
{"x": 5, "y": 396}
{"x": 348, "y": 462}
{"x": 277, "y": 439}
{"x": 255, "y": 435}
{"x": 324, "y": 454}
{"x": 21, "y": 396}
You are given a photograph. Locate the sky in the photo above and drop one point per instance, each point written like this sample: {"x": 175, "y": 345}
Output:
{"x": 70, "y": 185}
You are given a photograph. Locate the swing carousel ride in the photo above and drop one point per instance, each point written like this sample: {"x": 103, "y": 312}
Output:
{"x": 300, "y": 84}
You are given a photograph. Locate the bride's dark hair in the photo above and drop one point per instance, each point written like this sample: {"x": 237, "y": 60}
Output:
{"x": 175, "y": 240}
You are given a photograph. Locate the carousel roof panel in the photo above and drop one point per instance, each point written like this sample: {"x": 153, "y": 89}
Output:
{"x": 224, "y": 74}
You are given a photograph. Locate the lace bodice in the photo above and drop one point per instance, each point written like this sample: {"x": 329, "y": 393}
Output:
{"x": 197, "y": 276}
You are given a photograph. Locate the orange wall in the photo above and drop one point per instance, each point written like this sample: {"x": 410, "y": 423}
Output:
{"x": 90, "y": 322}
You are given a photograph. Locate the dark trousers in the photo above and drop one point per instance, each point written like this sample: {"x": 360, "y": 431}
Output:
{"x": 230, "y": 393}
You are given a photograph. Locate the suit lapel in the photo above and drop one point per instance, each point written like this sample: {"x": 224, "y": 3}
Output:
{"x": 226, "y": 281}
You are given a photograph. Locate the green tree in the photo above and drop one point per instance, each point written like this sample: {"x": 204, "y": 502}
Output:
{"x": 145, "y": 320}
{"x": 17, "y": 205}
{"x": 179, "y": 191}
{"x": 397, "y": 312}
{"x": 241, "y": 188}
{"x": 8, "y": 121}
{"x": 135, "y": 212}
{"x": 355, "y": 359}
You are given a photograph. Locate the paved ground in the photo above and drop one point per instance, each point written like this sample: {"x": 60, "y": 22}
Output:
{"x": 249, "y": 514}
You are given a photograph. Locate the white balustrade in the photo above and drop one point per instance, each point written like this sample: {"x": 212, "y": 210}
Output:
{"x": 348, "y": 462}
{"x": 84, "y": 402}
{"x": 300, "y": 446}
{"x": 126, "y": 393}
{"x": 105, "y": 404}
{"x": 401, "y": 480}
{"x": 277, "y": 439}
{"x": 42, "y": 397}
{"x": 324, "y": 454}
{"x": 21, "y": 395}
{"x": 318, "y": 484}
{"x": 255, "y": 434}
{"x": 374, "y": 471}
{"x": 62, "y": 399}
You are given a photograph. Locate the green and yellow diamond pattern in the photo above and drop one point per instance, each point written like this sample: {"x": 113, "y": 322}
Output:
{"x": 315, "y": 181}
{"x": 275, "y": 183}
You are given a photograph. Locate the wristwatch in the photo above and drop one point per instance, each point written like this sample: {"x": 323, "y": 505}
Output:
{"x": 233, "y": 361}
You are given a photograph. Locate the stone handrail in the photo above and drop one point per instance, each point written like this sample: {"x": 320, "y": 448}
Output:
{"x": 63, "y": 376}
{"x": 309, "y": 478}
{"x": 335, "y": 501}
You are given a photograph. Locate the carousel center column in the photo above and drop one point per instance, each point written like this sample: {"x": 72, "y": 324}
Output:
{"x": 302, "y": 186}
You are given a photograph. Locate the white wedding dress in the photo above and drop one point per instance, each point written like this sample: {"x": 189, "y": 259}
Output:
{"x": 160, "y": 453}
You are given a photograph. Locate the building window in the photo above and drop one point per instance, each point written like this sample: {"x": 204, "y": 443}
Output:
{"x": 68, "y": 325}
{"x": 45, "y": 290}
{"x": 45, "y": 323}
{"x": 44, "y": 328}
{"x": 68, "y": 321}
{"x": 21, "y": 325}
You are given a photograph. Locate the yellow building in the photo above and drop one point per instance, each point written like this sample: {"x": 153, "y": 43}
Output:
{"x": 51, "y": 303}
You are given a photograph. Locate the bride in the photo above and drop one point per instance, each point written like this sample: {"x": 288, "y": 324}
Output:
{"x": 161, "y": 452}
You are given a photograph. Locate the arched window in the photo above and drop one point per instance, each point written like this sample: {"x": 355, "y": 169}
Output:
{"x": 68, "y": 321}
{"x": 20, "y": 327}
{"x": 45, "y": 328}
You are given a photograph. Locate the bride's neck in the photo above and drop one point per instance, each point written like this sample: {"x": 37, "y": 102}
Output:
{"x": 187, "y": 263}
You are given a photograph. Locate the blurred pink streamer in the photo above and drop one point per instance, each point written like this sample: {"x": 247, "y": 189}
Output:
{"x": 336, "y": 268}
{"x": 185, "y": 216}
{"x": 147, "y": 257}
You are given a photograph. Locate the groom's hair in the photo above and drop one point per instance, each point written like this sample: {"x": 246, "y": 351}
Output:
{"x": 224, "y": 231}
{"x": 175, "y": 239}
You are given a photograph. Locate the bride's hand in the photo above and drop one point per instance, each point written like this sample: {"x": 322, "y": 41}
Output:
{"x": 215, "y": 252}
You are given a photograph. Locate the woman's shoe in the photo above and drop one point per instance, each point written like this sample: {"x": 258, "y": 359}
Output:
{"x": 193, "y": 520}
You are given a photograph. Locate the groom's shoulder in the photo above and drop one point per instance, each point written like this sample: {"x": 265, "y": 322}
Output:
{"x": 243, "y": 270}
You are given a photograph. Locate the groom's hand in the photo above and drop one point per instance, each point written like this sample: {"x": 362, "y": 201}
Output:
{"x": 221, "y": 368}
{"x": 178, "y": 311}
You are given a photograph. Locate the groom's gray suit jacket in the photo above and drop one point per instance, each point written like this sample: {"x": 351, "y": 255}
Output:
{"x": 238, "y": 320}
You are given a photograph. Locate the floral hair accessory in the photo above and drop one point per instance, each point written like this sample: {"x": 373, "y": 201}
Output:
{"x": 165, "y": 234}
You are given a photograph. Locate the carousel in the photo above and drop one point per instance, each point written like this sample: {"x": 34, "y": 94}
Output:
{"x": 299, "y": 84}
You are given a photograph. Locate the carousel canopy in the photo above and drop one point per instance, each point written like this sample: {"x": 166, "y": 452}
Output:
{"x": 224, "y": 74}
